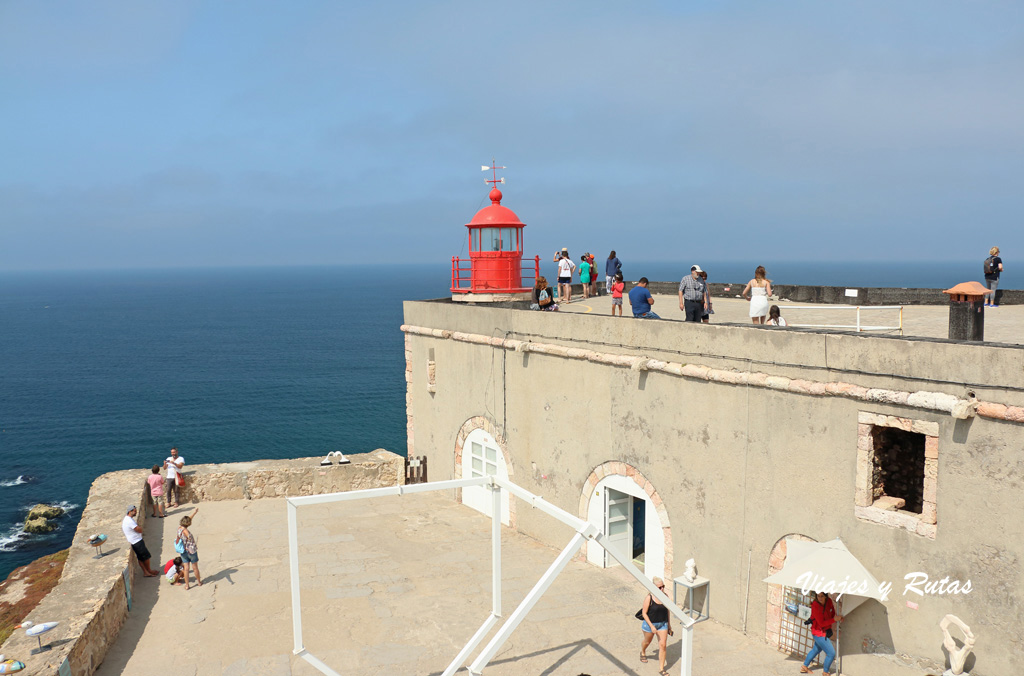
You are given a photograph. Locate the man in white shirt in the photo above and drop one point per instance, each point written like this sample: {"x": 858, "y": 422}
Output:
{"x": 133, "y": 533}
{"x": 173, "y": 465}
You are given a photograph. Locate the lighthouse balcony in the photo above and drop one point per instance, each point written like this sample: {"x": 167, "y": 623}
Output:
{"x": 493, "y": 277}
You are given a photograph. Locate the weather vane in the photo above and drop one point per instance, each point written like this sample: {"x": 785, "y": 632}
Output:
{"x": 494, "y": 180}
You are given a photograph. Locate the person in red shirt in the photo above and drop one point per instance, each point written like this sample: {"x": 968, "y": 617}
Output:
{"x": 823, "y": 617}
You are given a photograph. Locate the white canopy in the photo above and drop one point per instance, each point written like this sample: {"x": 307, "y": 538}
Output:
{"x": 827, "y": 567}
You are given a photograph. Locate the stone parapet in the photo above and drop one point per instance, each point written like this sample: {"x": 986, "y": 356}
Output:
{"x": 91, "y": 599}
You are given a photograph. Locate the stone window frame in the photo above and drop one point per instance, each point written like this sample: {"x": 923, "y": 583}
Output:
{"x": 925, "y": 523}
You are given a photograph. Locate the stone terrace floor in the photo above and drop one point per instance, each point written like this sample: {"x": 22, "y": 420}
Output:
{"x": 396, "y": 586}
{"x": 1004, "y": 324}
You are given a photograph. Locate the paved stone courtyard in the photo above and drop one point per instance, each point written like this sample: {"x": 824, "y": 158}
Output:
{"x": 393, "y": 585}
{"x": 1002, "y": 325}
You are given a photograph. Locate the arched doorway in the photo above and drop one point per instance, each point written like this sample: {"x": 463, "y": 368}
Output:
{"x": 619, "y": 500}
{"x": 479, "y": 452}
{"x": 774, "y": 632}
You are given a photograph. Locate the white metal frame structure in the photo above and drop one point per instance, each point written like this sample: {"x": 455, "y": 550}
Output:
{"x": 584, "y": 531}
{"x": 856, "y": 327}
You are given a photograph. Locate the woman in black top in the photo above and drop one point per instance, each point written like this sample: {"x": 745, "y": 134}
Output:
{"x": 656, "y": 621}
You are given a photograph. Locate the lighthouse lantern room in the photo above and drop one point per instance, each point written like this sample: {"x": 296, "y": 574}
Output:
{"x": 495, "y": 269}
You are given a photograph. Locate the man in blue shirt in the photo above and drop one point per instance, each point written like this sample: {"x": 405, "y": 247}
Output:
{"x": 641, "y": 301}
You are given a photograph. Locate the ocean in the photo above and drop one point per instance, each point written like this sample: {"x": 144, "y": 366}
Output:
{"x": 102, "y": 371}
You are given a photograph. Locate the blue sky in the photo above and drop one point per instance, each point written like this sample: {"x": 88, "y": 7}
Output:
{"x": 152, "y": 134}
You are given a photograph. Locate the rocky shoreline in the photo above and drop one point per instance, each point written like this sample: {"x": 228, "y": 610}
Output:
{"x": 25, "y": 587}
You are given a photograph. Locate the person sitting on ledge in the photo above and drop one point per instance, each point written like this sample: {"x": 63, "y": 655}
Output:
{"x": 641, "y": 300}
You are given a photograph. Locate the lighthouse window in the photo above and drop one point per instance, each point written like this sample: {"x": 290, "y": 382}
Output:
{"x": 490, "y": 239}
{"x": 508, "y": 239}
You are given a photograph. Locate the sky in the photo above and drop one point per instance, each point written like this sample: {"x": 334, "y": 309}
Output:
{"x": 226, "y": 133}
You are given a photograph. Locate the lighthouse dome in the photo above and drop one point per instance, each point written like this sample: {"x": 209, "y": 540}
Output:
{"x": 495, "y": 214}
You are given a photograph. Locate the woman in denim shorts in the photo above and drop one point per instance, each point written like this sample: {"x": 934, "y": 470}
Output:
{"x": 656, "y": 621}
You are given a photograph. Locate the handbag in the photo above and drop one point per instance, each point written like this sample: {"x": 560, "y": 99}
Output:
{"x": 639, "y": 614}
{"x": 179, "y": 480}
{"x": 179, "y": 546}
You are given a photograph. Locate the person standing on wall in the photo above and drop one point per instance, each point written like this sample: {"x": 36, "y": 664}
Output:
{"x": 173, "y": 465}
{"x": 993, "y": 266}
{"x": 612, "y": 267}
{"x": 641, "y": 300}
{"x": 693, "y": 295}
{"x": 565, "y": 269}
{"x": 823, "y": 618}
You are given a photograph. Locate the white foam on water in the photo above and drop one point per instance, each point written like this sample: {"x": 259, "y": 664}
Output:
{"x": 14, "y": 482}
{"x": 9, "y": 540}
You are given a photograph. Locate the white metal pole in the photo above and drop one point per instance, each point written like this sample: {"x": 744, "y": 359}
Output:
{"x": 686, "y": 651}
{"x": 491, "y": 649}
{"x": 858, "y": 319}
{"x": 496, "y": 550}
{"x": 460, "y": 659}
{"x": 293, "y": 565}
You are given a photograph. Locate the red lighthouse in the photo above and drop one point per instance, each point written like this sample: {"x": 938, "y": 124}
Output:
{"x": 495, "y": 271}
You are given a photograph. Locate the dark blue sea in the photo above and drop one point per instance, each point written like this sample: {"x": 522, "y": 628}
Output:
{"x": 103, "y": 371}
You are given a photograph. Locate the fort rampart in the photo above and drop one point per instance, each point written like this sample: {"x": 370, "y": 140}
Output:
{"x": 737, "y": 437}
{"x": 92, "y": 599}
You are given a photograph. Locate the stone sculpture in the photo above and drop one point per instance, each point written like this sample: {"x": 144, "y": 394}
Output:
{"x": 957, "y": 657}
{"x": 690, "y": 574}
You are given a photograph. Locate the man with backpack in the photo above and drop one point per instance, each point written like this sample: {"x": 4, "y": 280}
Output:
{"x": 993, "y": 266}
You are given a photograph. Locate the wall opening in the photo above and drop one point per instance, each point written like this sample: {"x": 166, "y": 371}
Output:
{"x": 897, "y": 472}
{"x": 898, "y": 468}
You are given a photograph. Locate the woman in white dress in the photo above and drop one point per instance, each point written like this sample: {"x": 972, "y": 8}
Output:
{"x": 757, "y": 291}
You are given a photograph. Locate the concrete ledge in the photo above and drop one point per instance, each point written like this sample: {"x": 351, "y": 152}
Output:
{"x": 91, "y": 602}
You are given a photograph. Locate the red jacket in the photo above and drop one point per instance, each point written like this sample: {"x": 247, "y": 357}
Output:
{"x": 822, "y": 618}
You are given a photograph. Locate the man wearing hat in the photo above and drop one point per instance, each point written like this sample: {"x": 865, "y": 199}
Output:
{"x": 133, "y": 533}
{"x": 693, "y": 295}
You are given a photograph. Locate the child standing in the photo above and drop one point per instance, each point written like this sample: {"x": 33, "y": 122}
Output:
{"x": 617, "y": 286}
{"x": 156, "y": 491}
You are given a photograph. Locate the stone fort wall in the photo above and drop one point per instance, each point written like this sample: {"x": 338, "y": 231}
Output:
{"x": 747, "y": 436}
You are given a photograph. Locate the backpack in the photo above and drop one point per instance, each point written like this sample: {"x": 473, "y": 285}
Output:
{"x": 990, "y": 265}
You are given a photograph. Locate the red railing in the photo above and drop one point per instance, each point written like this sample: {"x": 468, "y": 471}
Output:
{"x": 494, "y": 274}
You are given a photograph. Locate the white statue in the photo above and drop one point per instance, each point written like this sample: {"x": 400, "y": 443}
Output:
{"x": 690, "y": 574}
{"x": 956, "y": 657}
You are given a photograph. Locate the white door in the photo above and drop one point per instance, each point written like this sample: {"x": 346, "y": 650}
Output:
{"x": 481, "y": 456}
{"x": 618, "y": 524}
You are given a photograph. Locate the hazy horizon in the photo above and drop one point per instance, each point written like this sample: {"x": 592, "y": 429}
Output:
{"x": 198, "y": 135}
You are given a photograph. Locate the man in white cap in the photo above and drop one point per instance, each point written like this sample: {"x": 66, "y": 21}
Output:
{"x": 693, "y": 295}
{"x": 133, "y": 533}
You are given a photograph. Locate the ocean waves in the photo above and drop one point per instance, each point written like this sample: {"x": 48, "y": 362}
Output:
{"x": 14, "y": 482}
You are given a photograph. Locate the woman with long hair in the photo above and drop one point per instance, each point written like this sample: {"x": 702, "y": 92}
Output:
{"x": 190, "y": 557}
{"x": 542, "y": 298}
{"x": 823, "y": 618}
{"x": 775, "y": 316}
{"x": 757, "y": 292}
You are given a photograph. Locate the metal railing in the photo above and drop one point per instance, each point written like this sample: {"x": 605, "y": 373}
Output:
{"x": 859, "y": 326}
{"x": 493, "y": 275}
